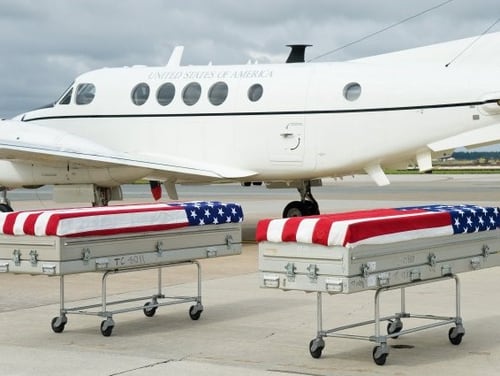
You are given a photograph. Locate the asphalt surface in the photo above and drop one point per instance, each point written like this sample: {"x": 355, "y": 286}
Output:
{"x": 246, "y": 330}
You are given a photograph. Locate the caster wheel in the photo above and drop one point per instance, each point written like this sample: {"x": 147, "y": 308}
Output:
{"x": 394, "y": 327}
{"x": 195, "y": 311}
{"x": 149, "y": 311}
{"x": 455, "y": 336}
{"x": 316, "y": 347}
{"x": 58, "y": 324}
{"x": 379, "y": 358}
{"x": 107, "y": 328}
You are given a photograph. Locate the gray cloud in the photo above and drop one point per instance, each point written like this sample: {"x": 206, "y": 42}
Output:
{"x": 46, "y": 43}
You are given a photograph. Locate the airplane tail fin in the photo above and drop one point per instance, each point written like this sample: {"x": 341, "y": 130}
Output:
{"x": 482, "y": 49}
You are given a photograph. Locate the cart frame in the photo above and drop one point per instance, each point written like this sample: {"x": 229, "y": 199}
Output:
{"x": 149, "y": 308}
{"x": 395, "y": 326}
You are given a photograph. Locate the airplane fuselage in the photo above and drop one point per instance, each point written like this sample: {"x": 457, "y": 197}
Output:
{"x": 311, "y": 120}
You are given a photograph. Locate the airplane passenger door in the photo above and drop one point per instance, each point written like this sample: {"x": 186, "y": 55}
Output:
{"x": 287, "y": 144}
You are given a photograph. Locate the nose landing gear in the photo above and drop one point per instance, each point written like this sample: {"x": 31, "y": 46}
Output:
{"x": 306, "y": 206}
{"x": 4, "y": 201}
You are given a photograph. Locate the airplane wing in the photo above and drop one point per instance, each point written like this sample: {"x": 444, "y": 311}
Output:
{"x": 22, "y": 141}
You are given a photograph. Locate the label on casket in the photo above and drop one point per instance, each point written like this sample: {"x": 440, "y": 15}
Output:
{"x": 128, "y": 260}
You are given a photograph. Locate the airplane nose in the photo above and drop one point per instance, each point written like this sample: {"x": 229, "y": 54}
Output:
{"x": 19, "y": 117}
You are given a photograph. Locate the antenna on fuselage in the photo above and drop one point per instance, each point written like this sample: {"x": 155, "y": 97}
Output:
{"x": 175, "y": 58}
{"x": 297, "y": 53}
{"x": 472, "y": 43}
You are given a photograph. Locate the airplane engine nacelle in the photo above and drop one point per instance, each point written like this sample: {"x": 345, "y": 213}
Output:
{"x": 17, "y": 174}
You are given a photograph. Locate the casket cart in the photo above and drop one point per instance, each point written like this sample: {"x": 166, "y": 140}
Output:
{"x": 381, "y": 250}
{"x": 119, "y": 239}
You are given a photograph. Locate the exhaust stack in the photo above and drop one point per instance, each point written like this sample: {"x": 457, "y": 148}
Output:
{"x": 297, "y": 53}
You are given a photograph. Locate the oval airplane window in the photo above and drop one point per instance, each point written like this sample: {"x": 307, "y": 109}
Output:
{"x": 255, "y": 92}
{"x": 165, "y": 94}
{"x": 352, "y": 91}
{"x": 140, "y": 94}
{"x": 191, "y": 93}
{"x": 218, "y": 93}
{"x": 85, "y": 93}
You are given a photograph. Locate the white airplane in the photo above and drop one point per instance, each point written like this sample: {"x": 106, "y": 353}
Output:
{"x": 287, "y": 125}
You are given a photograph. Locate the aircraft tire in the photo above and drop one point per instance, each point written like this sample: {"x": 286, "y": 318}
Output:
{"x": 5, "y": 208}
{"x": 294, "y": 209}
{"x": 300, "y": 209}
{"x": 310, "y": 208}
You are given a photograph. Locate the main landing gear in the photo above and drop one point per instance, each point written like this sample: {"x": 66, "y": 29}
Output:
{"x": 4, "y": 201}
{"x": 307, "y": 204}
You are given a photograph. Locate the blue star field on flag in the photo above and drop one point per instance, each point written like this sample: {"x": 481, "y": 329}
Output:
{"x": 466, "y": 218}
{"x": 212, "y": 212}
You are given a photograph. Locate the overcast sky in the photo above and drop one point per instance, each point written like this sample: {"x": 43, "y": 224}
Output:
{"x": 44, "y": 44}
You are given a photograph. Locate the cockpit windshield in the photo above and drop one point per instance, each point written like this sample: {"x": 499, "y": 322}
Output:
{"x": 65, "y": 98}
{"x": 85, "y": 93}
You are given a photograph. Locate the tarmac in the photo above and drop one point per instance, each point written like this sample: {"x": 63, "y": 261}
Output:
{"x": 245, "y": 329}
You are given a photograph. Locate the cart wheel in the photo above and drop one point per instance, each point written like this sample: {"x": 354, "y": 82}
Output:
{"x": 316, "y": 347}
{"x": 379, "y": 356}
{"x": 149, "y": 311}
{"x": 195, "y": 311}
{"x": 455, "y": 336}
{"x": 58, "y": 323}
{"x": 107, "y": 327}
{"x": 394, "y": 327}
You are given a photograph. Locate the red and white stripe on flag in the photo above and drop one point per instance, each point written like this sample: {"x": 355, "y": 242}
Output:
{"x": 349, "y": 229}
{"x": 94, "y": 221}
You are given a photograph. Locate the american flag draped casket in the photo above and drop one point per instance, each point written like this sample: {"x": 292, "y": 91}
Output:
{"x": 379, "y": 226}
{"x": 119, "y": 239}
{"x": 119, "y": 219}
{"x": 366, "y": 249}
{"x": 78, "y": 240}
{"x": 380, "y": 250}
